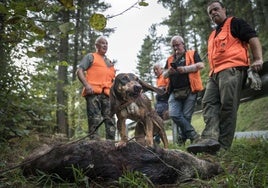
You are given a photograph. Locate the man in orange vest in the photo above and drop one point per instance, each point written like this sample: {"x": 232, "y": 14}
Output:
{"x": 96, "y": 72}
{"x": 229, "y": 60}
{"x": 161, "y": 105}
{"x": 183, "y": 70}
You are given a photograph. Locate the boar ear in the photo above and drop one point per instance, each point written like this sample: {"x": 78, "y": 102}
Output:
{"x": 146, "y": 87}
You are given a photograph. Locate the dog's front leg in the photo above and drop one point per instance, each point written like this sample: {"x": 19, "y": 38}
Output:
{"x": 140, "y": 133}
{"x": 121, "y": 126}
{"x": 149, "y": 132}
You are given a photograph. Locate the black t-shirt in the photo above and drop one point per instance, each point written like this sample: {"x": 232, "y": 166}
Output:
{"x": 240, "y": 29}
{"x": 178, "y": 80}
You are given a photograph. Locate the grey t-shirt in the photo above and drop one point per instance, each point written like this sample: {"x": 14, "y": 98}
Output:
{"x": 87, "y": 61}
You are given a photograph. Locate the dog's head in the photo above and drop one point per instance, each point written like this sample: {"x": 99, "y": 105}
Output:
{"x": 127, "y": 87}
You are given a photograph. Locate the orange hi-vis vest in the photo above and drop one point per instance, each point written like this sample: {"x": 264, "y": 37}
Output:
{"x": 225, "y": 51}
{"x": 100, "y": 76}
{"x": 194, "y": 77}
{"x": 162, "y": 82}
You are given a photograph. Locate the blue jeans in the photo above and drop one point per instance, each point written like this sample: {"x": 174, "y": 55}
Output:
{"x": 181, "y": 112}
{"x": 161, "y": 107}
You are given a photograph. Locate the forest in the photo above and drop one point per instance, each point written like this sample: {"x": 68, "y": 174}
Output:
{"x": 42, "y": 42}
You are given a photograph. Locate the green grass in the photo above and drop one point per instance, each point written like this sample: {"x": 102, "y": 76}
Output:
{"x": 245, "y": 164}
{"x": 251, "y": 115}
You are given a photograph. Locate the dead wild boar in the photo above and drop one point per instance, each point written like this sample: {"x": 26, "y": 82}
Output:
{"x": 101, "y": 160}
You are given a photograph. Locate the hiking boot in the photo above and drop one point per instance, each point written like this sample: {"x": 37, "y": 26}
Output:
{"x": 210, "y": 146}
{"x": 196, "y": 138}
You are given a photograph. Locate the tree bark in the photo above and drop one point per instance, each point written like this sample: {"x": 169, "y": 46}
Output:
{"x": 62, "y": 100}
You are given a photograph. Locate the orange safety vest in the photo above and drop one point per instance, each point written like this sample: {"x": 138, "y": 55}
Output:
{"x": 100, "y": 76}
{"x": 225, "y": 51}
{"x": 194, "y": 77}
{"x": 161, "y": 81}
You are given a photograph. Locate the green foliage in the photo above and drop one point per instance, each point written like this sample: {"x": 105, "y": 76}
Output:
{"x": 98, "y": 21}
{"x": 79, "y": 177}
{"x": 145, "y": 62}
{"x": 134, "y": 179}
{"x": 67, "y": 3}
{"x": 149, "y": 54}
{"x": 67, "y": 28}
{"x": 47, "y": 180}
{"x": 28, "y": 91}
{"x": 143, "y": 3}
{"x": 15, "y": 179}
{"x": 16, "y": 111}
{"x": 36, "y": 29}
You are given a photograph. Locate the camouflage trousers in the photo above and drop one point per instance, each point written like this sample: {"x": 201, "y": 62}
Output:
{"x": 220, "y": 104}
{"x": 98, "y": 108}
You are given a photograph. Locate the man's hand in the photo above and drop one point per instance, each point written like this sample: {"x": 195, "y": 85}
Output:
{"x": 88, "y": 90}
{"x": 253, "y": 80}
{"x": 257, "y": 65}
{"x": 171, "y": 71}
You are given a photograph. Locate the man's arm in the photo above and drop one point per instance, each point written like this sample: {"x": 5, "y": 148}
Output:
{"x": 81, "y": 76}
{"x": 84, "y": 65}
{"x": 191, "y": 68}
{"x": 256, "y": 50}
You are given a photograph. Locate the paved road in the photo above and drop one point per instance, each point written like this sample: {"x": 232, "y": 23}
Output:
{"x": 248, "y": 134}
{"x": 252, "y": 134}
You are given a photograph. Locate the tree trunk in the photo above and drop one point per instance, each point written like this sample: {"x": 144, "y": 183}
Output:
{"x": 62, "y": 120}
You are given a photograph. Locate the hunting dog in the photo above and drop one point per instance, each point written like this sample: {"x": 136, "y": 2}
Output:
{"x": 128, "y": 101}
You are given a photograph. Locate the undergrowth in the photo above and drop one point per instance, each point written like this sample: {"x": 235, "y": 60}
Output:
{"x": 245, "y": 164}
